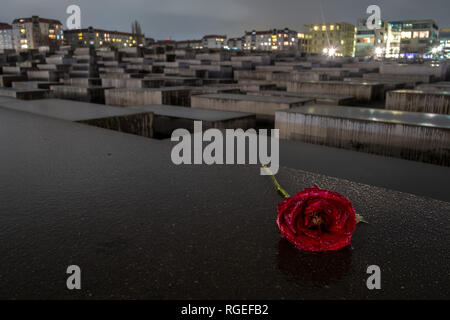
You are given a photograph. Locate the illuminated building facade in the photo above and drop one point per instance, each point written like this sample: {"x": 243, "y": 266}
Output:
{"x": 35, "y": 32}
{"x": 444, "y": 40}
{"x": 193, "y": 44}
{"x": 99, "y": 38}
{"x": 236, "y": 43}
{"x": 411, "y": 38}
{"x": 271, "y": 40}
{"x": 213, "y": 41}
{"x": 6, "y": 36}
{"x": 370, "y": 42}
{"x": 340, "y": 37}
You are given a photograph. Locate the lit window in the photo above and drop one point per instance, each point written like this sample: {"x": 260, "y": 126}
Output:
{"x": 332, "y": 27}
{"x": 424, "y": 34}
{"x": 324, "y": 28}
{"x": 406, "y": 34}
{"x": 316, "y": 28}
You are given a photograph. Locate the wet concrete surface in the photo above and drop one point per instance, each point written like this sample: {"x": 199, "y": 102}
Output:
{"x": 414, "y": 177}
{"x": 140, "y": 227}
{"x": 377, "y": 115}
{"x": 66, "y": 109}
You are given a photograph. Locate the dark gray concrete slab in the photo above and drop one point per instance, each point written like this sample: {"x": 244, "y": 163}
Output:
{"x": 390, "y": 116}
{"x": 190, "y": 113}
{"x": 319, "y": 98}
{"x": 387, "y": 172}
{"x": 66, "y": 109}
{"x": 232, "y": 96}
{"x": 24, "y": 94}
{"x": 140, "y": 227}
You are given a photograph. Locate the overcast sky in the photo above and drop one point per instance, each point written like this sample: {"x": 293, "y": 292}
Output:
{"x": 191, "y": 19}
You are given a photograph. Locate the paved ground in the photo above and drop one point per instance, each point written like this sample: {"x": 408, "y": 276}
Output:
{"x": 140, "y": 227}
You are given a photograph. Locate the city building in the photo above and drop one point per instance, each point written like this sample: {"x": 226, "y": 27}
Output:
{"x": 194, "y": 44}
{"x": 236, "y": 43}
{"x": 99, "y": 38}
{"x": 370, "y": 42}
{"x": 213, "y": 41}
{"x": 149, "y": 41}
{"x": 337, "y": 39}
{"x": 411, "y": 38}
{"x": 35, "y": 32}
{"x": 6, "y": 36}
{"x": 444, "y": 40}
{"x": 270, "y": 40}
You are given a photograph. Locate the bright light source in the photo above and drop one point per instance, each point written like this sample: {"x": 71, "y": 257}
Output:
{"x": 331, "y": 52}
{"x": 378, "y": 51}
{"x": 325, "y": 50}
{"x": 436, "y": 50}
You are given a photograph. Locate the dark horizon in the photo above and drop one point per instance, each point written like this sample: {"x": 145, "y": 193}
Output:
{"x": 185, "y": 20}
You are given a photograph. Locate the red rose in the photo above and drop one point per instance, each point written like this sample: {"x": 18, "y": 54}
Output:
{"x": 317, "y": 220}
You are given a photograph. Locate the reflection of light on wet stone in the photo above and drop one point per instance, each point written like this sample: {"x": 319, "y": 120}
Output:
{"x": 313, "y": 269}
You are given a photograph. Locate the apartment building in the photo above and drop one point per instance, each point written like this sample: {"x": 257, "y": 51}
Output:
{"x": 337, "y": 39}
{"x": 271, "y": 40}
{"x": 6, "y": 36}
{"x": 99, "y": 38}
{"x": 35, "y": 32}
{"x": 236, "y": 43}
{"x": 193, "y": 44}
{"x": 213, "y": 41}
{"x": 411, "y": 38}
{"x": 444, "y": 41}
{"x": 370, "y": 42}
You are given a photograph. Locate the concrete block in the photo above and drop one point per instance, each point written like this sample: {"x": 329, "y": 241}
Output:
{"x": 419, "y": 101}
{"x": 407, "y": 135}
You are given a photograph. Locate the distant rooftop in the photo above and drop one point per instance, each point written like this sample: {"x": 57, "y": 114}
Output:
{"x": 41, "y": 20}
{"x": 94, "y": 30}
{"x": 5, "y": 26}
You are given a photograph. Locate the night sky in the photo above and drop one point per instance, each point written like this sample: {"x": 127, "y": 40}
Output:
{"x": 191, "y": 19}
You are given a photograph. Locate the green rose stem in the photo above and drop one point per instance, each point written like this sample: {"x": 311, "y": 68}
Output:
{"x": 275, "y": 182}
{"x": 359, "y": 218}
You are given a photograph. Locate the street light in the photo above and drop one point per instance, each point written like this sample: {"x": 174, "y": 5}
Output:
{"x": 378, "y": 51}
{"x": 436, "y": 50}
{"x": 331, "y": 52}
